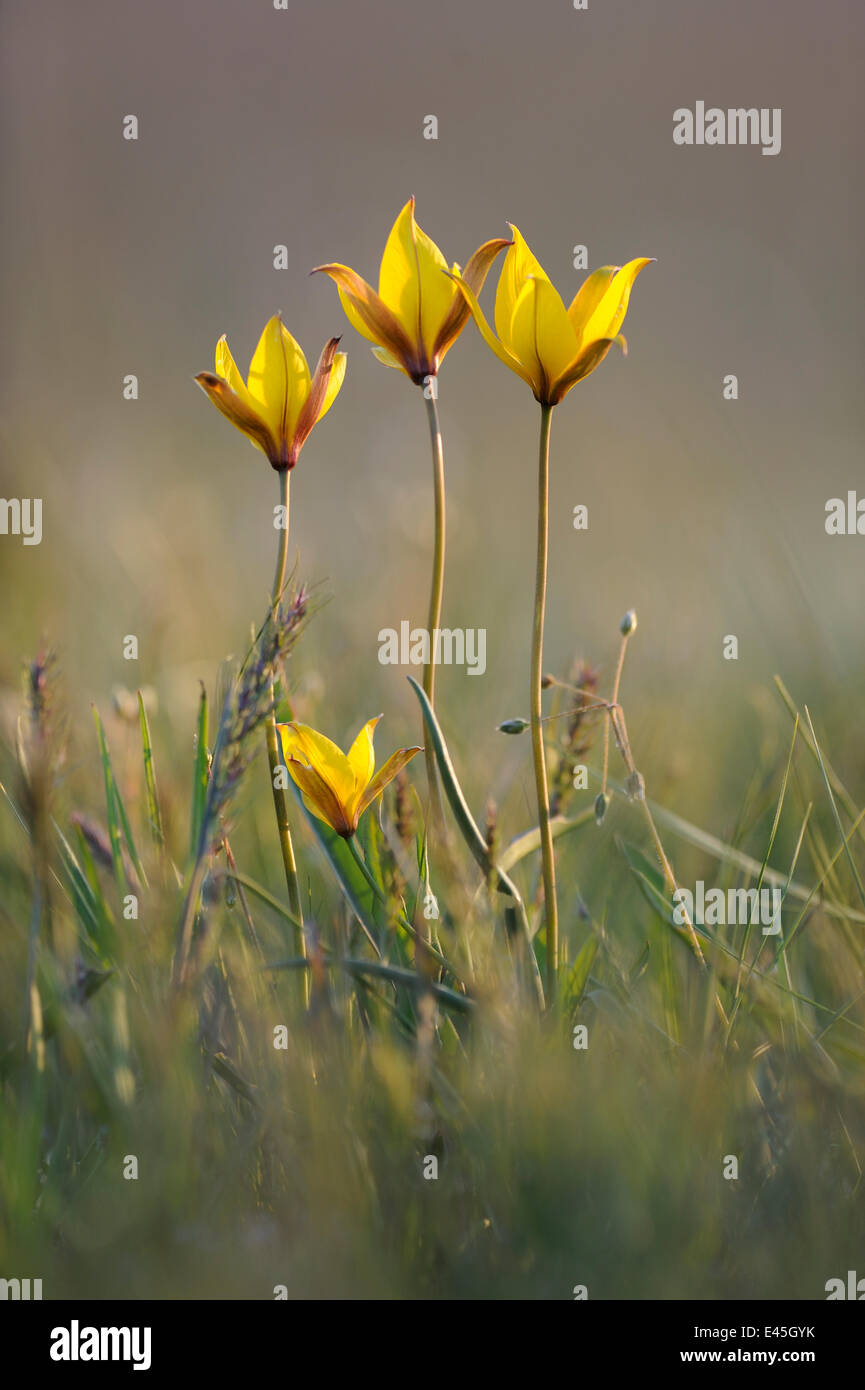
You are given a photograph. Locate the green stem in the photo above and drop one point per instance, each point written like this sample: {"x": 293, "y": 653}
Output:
{"x": 361, "y": 863}
{"x": 437, "y": 582}
{"x": 273, "y": 750}
{"x": 359, "y": 859}
{"x": 541, "y": 786}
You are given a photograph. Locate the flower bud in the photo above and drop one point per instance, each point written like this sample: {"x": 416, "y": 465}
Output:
{"x": 601, "y": 803}
{"x": 636, "y": 787}
{"x": 513, "y": 726}
{"x": 628, "y": 623}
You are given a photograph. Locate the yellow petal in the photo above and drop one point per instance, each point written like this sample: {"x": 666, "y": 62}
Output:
{"x": 519, "y": 264}
{"x": 320, "y": 799}
{"x": 357, "y": 320}
{"x": 606, "y": 319}
{"x": 541, "y": 334}
{"x": 323, "y": 390}
{"x": 489, "y": 336}
{"x": 475, "y": 273}
{"x": 334, "y": 382}
{"x": 306, "y": 744}
{"x": 589, "y": 296}
{"x": 361, "y": 754}
{"x": 591, "y": 357}
{"x": 241, "y": 414}
{"x": 411, "y": 282}
{"x": 395, "y": 763}
{"x": 227, "y": 368}
{"x": 388, "y": 358}
{"x": 369, "y": 314}
{"x": 279, "y": 378}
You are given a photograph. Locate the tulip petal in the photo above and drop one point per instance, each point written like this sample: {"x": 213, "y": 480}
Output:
{"x": 590, "y": 358}
{"x": 607, "y": 318}
{"x": 279, "y": 379}
{"x": 388, "y": 358}
{"x": 361, "y": 755}
{"x": 519, "y": 264}
{"x": 395, "y": 763}
{"x": 475, "y": 273}
{"x": 489, "y": 336}
{"x": 227, "y": 368}
{"x": 241, "y": 415}
{"x": 324, "y": 387}
{"x": 411, "y": 282}
{"x": 589, "y": 296}
{"x": 301, "y": 742}
{"x": 320, "y": 799}
{"x": 334, "y": 382}
{"x": 368, "y": 314}
{"x": 541, "y": 334}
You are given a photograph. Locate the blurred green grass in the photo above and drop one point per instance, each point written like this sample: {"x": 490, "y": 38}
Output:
{"x": 303, "y": 1167}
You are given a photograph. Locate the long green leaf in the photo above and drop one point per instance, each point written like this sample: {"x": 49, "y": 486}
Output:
{"x": 472, "y": 835}
{"x": 394, "y": 974}
{"x": 153, "y": 811}
{"x": 119, "y": 829}
{"x": 530, "y": 842}
{"x": 358, "y": 892}
{"x": 93, "y": 912}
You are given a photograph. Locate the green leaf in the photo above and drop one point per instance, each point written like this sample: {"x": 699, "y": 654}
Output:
{"x": 223, "y": 1067}
{"x": 153, "y": 811}
{"x": 90, "y": 905}
{"x": 118, "y": 822}
{"x": 358, "y": 892}
{"x": 530, "y": 842}
{"x": 472, "y": 835}
{"x": 654, "y": 889}
{"x": 578, "y": 975}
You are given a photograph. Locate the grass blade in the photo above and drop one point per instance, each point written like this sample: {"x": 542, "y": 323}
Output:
{"x": 153, "y": 812}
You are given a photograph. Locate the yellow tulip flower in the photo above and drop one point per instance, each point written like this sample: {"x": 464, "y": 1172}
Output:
{"x": 280, "y": 402}
{"x": 418, "y": 313}
{"x": 335, "y": 786}
{"x": 549, "y": 346}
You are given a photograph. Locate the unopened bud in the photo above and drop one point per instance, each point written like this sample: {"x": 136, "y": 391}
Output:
{"x": 628, "y": 623}
{"x": 513, "y": 726}
{"x": 602, "y": 801}
{"x": 635, "y": 786}
{"x": 547, "y": 681}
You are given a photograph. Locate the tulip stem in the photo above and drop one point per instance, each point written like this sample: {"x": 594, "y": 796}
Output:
{"x": 541, "y": 785}
{"x": 437, "y": 583}
{"x": 274, "y": 757}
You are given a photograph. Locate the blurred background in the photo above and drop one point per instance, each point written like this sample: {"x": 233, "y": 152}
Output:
{"x": 305, "y": 127}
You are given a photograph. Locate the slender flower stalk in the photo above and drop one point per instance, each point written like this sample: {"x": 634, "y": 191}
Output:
{"x": 413, "y": 321}
{"x": 276, "y": 408}
{"x": 436, "y": 584}
{"x": 551, "y": 348}
{"x": 548, "y": 859}
{"x": 273, "y": 753}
